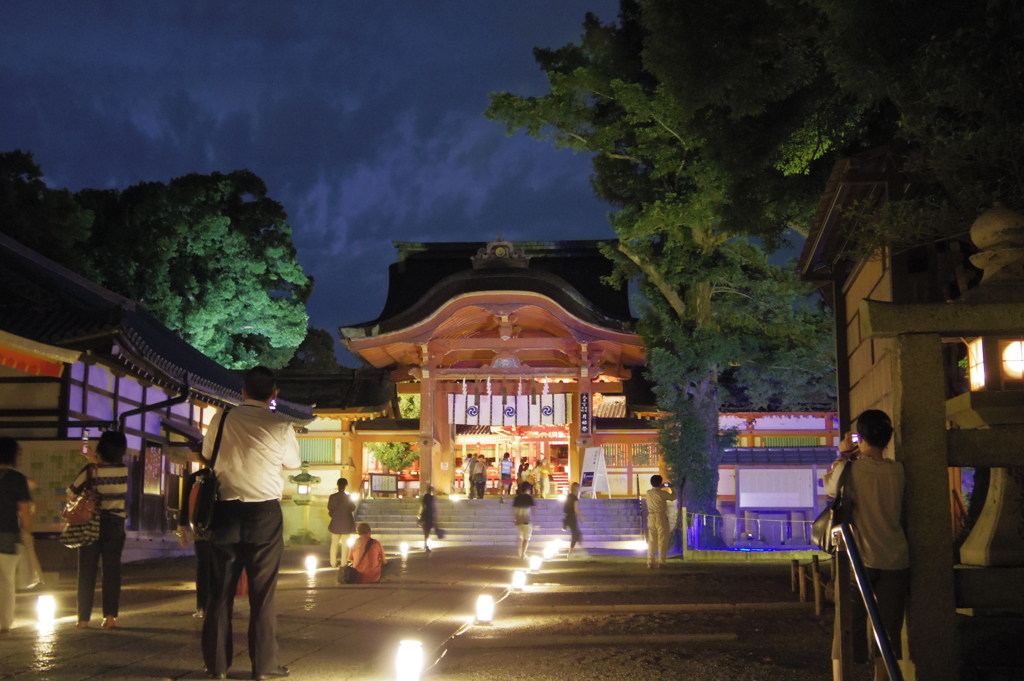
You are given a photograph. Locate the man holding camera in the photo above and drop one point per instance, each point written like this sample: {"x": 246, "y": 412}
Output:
{"x": 658, "y": 497}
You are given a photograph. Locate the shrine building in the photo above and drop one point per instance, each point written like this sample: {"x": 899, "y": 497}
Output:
{"x": 521, "y": 343}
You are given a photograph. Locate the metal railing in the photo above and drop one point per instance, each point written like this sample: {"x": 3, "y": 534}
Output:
{"x": 710, "y": 532}
{"x": 843, "y": 537}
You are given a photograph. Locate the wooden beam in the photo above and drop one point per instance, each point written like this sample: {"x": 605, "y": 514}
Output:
{"x": 512, "y": 344}
{"x": 520, "y": 372}
{"x": 987, "y": 447}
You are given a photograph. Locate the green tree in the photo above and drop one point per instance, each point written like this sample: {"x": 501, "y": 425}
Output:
{"x": 48, "y": 221}
{"x": 212, "y": 257}
{"x": 695, "y": 172}
{"x": 316, "y": 354}
{"x": 398, "y": 456}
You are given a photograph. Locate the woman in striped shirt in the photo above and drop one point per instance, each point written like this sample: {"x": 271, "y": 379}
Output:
{"x": 110, "y": 481}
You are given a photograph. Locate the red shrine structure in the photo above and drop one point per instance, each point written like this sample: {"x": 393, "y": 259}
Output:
{"x": 521, "y": 340}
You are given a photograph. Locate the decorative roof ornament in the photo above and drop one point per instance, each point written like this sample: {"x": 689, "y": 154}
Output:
{"x": 500, "y": 253}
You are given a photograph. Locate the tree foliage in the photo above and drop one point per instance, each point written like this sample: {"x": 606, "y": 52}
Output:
{"x": 715, "y": 122}
{"x": 699, "y": 172}
{"x": 316, "y": 354}
{"x": 46, "y": 220}
{"x": 212, "y": 257}
{"x": 398, "y": 456}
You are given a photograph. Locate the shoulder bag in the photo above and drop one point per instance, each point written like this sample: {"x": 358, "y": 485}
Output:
{"x": 203, "y": 489}
{"x": 838, "y": 511}
{"x": 84, "y": 507}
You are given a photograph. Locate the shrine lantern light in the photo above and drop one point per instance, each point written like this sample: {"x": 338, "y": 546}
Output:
{"x": 995, "y": 363}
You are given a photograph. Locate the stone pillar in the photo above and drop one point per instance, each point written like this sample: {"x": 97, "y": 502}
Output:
{"x": 931, "y": 650}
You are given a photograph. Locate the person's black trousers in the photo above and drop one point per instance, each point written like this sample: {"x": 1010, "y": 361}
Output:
{"x": 108, "y": 548}
{"x": 572, "y": 523}
{"x": 247, "y": 536}
{"x": 204, "y": 563}
{"x": 481, "y": 487}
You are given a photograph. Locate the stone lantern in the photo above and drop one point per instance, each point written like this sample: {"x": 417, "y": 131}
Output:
{"x": 303, "y": 497}
{"x": 996, "y": 377}
{"x": 303, "y": 485}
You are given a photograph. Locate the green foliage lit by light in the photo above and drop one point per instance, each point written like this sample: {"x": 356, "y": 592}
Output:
{"x": 398, "y": 456}
{"x": 702, "y": 142}
{"x": 212, "y": 257}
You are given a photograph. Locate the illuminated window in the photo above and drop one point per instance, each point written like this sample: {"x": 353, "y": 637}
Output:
{"x": 1012, "y": 353}
{"x": 975, "y": 364}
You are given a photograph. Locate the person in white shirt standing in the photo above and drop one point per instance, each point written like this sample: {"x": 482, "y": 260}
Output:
{"x": 658, "y": 497}
{"x": 248, "y": 529}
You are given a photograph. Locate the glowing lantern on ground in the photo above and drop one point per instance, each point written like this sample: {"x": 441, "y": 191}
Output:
{"x": 484, "y": 609}
{"x": 409, "y": 662}
{"x": 46, "y": 608}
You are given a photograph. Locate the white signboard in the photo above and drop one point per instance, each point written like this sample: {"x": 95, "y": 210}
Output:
{"x": 775, "y": 488}
{"x": 594, "y": 474}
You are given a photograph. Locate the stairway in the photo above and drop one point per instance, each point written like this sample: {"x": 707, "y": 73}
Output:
{"x": 607, "y": 523}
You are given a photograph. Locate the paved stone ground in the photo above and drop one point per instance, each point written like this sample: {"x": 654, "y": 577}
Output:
{"x": 336, "y": 632}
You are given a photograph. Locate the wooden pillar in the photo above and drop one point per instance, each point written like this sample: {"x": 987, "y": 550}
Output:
{"x": 932, "y": 644}
{"x": 581, "y": 430}
{"x": 444, "y": 459}
{"x": 427, "y": 441}
{"x": 351, "y": 455}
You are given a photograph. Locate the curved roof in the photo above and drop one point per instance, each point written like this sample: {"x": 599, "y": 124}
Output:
{"x": 569, "y": 272}
{"x": 478, "y": 281}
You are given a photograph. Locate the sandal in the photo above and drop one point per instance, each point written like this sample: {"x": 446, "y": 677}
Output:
{"x": 109, "y": 623}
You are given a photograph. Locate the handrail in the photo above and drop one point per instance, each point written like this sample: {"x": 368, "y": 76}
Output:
{"x": 870, "y": 602}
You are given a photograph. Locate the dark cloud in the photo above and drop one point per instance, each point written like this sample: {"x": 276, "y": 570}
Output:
{"x": 365, "y": 119}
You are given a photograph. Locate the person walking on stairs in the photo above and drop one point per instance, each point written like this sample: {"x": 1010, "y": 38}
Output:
{"x": 572, "y": 518}
{"x": 658, "y": 497}
{"x": 428, "y": 517}
{"x": 522, "y": 507}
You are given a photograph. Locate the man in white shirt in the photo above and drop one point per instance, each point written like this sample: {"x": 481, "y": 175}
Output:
{"x": 248, "y": 530}
{"x": 658, "y": 497}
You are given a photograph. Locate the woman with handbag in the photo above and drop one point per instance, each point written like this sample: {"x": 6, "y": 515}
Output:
{"x": 108, "y": 478}
{"x": 15, "y": 526}
{"x": 873, "y": 492}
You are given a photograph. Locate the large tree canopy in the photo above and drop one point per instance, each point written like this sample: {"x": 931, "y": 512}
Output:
{"x": 713, "y": 125}
{"x": 697, "y": 170}
{"x": 212, "y": 257}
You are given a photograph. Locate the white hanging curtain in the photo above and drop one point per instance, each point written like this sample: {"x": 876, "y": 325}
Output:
{"x": 513, "y": 410}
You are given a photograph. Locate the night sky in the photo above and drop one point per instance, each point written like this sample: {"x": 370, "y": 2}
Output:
{"x": 365, "y": 119}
